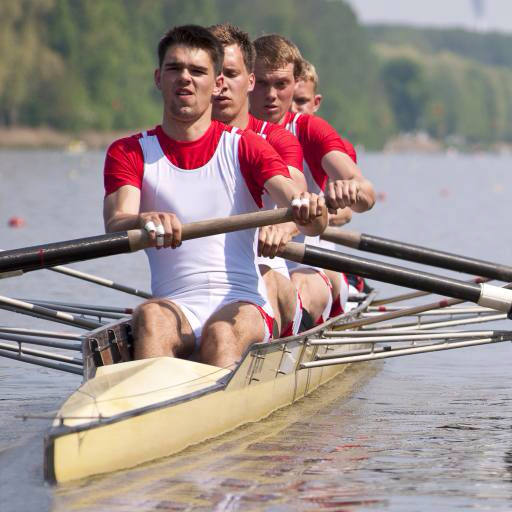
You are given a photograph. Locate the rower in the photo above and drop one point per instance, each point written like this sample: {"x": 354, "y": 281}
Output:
{"x": 210, "y": 294}
{"x": 231, "y": 106}
{"x": 328, "y": 166}
{"x": 307, "y": 100}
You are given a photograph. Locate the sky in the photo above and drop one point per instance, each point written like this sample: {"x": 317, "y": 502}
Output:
{"x": 494, "y": 14}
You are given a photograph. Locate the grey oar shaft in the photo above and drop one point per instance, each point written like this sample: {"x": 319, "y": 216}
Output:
{"x": 100, "y": 281}
{"x": 399, "y": 352}
{"x": 36, "y": 332}
{"x": 41, "y": 362}
{"x": 395, "y": 337}
{"x": 41, "y": 353}
{"x": 41, "y": 341}
{"x": 47, "y": 313}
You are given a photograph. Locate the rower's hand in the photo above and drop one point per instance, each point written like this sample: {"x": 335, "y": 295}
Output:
{"x": 342, "y": 193}
{"x": 273, "y": 239}
{"x": 164, "y": 229}
{"x": 307, "y": 207}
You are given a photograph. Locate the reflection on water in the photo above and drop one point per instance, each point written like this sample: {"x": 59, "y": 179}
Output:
{"x": 430, "y": 432}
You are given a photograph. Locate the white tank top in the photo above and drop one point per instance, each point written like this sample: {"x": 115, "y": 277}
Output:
{"x": 312, "y": 187}
{"x": 278, "y": 264}
{"x": 312, "y": 184}
{"x": 222, "y": 265}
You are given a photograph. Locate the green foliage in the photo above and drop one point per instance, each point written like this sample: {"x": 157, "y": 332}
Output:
{"x": 404, "y": 83}
{"x": 489, "y": 48}
{"x": 467, "y": 78}
{"x": 82, "y": 64}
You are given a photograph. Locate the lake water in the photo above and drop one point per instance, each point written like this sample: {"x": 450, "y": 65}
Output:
{"x": 429, "y": 432}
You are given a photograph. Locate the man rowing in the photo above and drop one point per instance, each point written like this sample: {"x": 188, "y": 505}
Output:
{"x": 307, "y": 100}
{"x": 209, "y": 293}
{"x": 231, "y": 106}
{"x": 328, "y": 166}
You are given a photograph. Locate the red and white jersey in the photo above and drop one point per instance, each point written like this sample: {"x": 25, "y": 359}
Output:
{"x": 220, "y": 174}
{"x": 289, "y": 149}
{"x": 317, "y": 138}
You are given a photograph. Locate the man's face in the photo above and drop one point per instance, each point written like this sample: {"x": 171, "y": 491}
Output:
{"x": 304, "y": 98}
{"x": 236, "y": 84}
{"x": 273, "y": 92}
{"x": 187, "y": 81}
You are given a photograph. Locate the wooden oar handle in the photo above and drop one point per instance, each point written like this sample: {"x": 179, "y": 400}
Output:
{"x": 139, "y": 238}
{"x": 342, "y": 237}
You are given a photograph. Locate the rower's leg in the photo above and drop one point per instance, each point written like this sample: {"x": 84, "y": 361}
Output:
{"x": 273, "y": 293}
{"x": 229, "y": 331}
{"x": 282, "y": 295}
{"x": 335, "y": 279}
{"x": 314, "y": 291}
{"x": 161, "y": 329}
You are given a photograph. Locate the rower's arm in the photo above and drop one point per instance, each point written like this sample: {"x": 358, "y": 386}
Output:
{"x": 298, "y": 178}
{"x": 339, "y": 166}
{"x": 341, "y": 217}
{"x": 121, "y": 209}
{"x": 283, "y": 190}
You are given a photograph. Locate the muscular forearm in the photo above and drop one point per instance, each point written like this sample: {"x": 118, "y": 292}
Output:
{"x": 122, "y": 222}
{"x": 341, "y": 217}
{"x": 366, "y": 196}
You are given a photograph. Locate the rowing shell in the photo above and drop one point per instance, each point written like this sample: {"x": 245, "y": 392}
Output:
{"x": 130, "y": 412}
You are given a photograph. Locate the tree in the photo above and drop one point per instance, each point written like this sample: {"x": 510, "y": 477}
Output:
{"x": 406, "y": 89}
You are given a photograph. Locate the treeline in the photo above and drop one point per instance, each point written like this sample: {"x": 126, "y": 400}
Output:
{"x": 82, "y": 64}
{"x": 77, "y": 65}
{"x": 454, "y": 84}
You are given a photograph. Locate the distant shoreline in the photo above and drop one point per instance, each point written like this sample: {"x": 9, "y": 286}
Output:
{"x": 48, "y": 138}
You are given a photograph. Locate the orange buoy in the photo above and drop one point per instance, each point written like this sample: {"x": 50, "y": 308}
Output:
{"x": 16, "y": 222}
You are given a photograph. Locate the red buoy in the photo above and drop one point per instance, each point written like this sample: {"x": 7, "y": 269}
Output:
{"x": 16, "y": 222}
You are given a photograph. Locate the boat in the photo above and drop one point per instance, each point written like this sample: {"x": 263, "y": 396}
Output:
{"x": 129, "y": 412}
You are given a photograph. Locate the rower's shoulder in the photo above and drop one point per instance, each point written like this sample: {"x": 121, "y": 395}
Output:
{"x": 129, "y": 143}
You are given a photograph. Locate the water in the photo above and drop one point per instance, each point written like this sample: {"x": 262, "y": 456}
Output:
{"x": 430, "y": 432}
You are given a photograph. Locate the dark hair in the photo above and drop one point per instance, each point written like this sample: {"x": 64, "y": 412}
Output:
{"x": 229, "y": 34}
{"x": 193, "y": 36}
{"x": 276, "y": 51}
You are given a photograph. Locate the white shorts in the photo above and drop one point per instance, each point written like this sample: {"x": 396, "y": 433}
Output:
{"x": 278, "y": 264}
{"x": 197, "y": 313}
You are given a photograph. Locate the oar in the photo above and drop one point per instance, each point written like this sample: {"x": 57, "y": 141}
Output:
{"x": 48, "y": 255}
{"x": 483, "y": 294}
{"x": 418, "y": 254}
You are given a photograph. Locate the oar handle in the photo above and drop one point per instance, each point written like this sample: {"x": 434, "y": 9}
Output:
{"x": 482, "y": 294}
{"x": 139, "y": 238}
{"x": 60, "y": 253}
{"x": 342, "y": 237}
{"x": 418, "y": 254}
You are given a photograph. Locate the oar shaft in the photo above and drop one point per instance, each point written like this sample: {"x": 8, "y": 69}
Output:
{"x": 50, "y": 255}
{"x": 418, "y": 254}
{"x": 101, "y": 281}
{"x": 482, "y": 294}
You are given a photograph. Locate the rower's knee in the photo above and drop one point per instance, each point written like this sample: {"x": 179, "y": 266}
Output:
{"x": 157, "y": 331}
{"x": 218, "y": 345}
{"x": 146, "y": 317}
